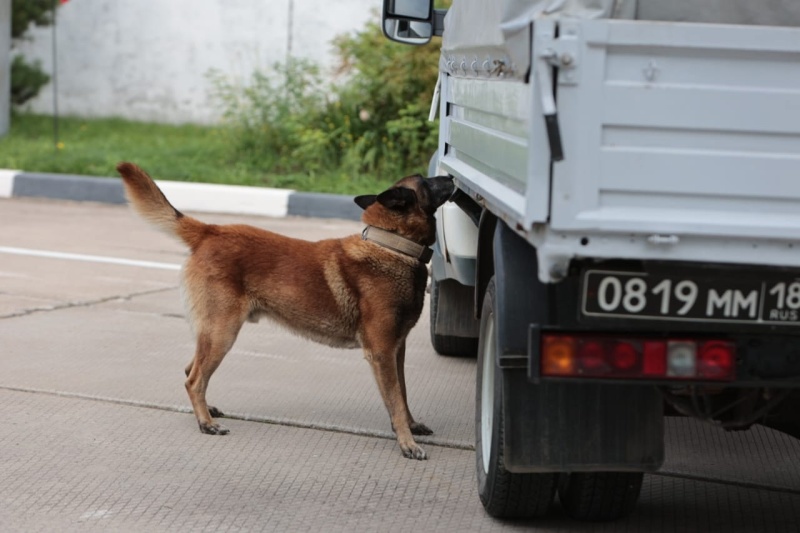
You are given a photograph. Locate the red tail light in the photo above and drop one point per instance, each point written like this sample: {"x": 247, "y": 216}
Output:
{"x": 716, "y": 359}
{"x": 625, "y": 356}
{"x": 592, "y": 356}
{"x": 654, "y": 358}
{"x": 634, "y": 358}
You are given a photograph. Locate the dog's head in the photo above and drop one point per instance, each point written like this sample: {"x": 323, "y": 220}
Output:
{"x": 407, "y": 207}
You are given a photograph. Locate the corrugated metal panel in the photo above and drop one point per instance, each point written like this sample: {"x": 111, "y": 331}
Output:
{"x": 485, "y": 137}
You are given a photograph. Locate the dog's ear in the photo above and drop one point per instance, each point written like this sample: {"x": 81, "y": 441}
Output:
{"x": 365, "y": 200}
{"x": 397, "y": 198}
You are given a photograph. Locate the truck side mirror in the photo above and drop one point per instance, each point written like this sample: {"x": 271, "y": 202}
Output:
{"x": 407, "y": 31}
{"x": 408, "y": 9}
{"x": 411, "y": 21}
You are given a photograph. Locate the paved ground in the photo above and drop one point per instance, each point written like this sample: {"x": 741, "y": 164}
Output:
{"x": 98, "y": 435}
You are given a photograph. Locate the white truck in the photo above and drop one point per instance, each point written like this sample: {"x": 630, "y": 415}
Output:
{"x": 624, "y": 244}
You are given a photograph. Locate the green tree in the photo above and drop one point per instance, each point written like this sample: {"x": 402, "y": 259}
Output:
{"x": 27, "y": 12}
{"x": 389, "y": 90}
{"x": 27, "y": 78}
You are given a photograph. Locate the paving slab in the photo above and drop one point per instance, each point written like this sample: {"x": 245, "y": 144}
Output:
{"x": 757, "y": 457}
{"x": 99, "y": 436}
{"x": 80, "y": 465}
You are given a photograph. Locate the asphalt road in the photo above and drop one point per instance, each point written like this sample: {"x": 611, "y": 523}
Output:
{"x": 98, "y": 436}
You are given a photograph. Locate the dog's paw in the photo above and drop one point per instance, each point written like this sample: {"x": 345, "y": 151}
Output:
{"x": 215, "y": 413}
{"x": 213, "y": 429}
{"x": 414, "y": 452}
{"x": 420, "y": 429}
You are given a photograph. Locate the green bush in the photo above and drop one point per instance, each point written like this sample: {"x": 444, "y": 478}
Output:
{"x": 391, "y": 85}
{"x": 275, "y": 120}
{"x": 27, "y": 12}
{"x": 27, "y": 79}
{"x": 374, "y": 122}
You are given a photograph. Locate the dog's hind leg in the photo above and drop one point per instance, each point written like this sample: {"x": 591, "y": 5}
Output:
{"x": 417, "y": 428}
{"x": 214, "y": 340}
{"x": 215, "y": 413}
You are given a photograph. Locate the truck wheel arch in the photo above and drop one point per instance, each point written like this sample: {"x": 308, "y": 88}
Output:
{"x": 484, "y": 268}
{"x": 521, "y": 297}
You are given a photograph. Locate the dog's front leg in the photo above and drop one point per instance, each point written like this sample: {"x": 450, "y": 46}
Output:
{"x": 417, "y": 428}
{"x": 382, "y": 359}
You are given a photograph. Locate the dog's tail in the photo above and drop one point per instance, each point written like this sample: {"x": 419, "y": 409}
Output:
{"x": 148, "y": 200}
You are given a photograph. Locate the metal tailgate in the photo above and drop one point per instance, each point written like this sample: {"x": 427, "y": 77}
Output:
{"x": 678, "y": 128}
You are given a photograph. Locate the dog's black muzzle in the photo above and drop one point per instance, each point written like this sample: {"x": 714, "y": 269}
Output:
{"x": 442, "y": 188}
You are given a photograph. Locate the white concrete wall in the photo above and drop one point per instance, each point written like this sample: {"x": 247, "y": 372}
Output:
{"x": 148, "y": 59}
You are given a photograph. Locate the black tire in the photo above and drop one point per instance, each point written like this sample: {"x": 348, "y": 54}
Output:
{"x": 446, "y": 344}
{"x": 600, "y": 496}
{"x": 504, "y": 494}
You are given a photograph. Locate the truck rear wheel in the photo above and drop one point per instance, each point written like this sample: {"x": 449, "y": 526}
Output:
{"x": 504, "y": 494}
{"x": 449, "y": 296}
{"x": 599, "y": 496}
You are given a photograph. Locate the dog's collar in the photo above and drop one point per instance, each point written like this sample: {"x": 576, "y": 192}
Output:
{"x": 395, "y": 242}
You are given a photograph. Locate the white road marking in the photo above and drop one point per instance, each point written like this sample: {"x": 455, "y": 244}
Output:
{"x": 14, "y": 275}
{"x": 88, "y": 258}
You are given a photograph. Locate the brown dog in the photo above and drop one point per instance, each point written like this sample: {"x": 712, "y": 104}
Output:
{"x": 363, "y": 290}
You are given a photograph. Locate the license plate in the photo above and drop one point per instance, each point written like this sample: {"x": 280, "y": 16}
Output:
{"x": 691, "y": 297}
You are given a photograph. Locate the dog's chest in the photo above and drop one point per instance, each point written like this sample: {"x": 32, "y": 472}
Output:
{"x": 409, "y": 308}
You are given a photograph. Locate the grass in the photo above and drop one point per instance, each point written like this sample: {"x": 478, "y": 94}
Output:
{"x": 93, "y": 147}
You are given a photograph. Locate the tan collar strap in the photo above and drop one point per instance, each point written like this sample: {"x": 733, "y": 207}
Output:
{"x": 395, "y": 242}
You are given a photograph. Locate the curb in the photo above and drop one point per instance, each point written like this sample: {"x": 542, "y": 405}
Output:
{"x": 188, "y": 196}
